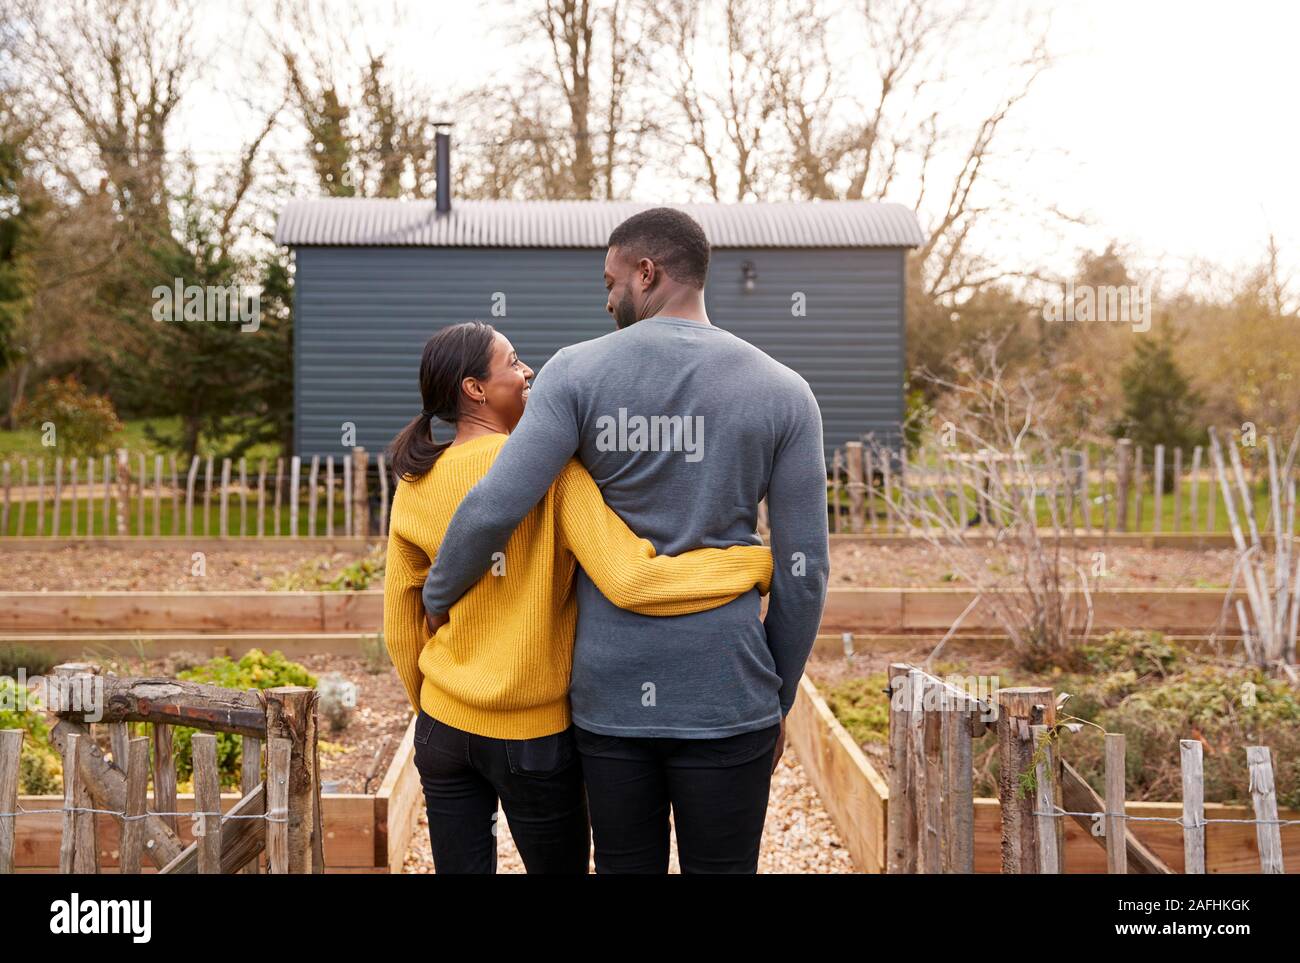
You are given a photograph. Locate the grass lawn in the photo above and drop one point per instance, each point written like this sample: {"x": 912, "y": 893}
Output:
{"x": 206, "y": 522}
{"x": 1101, "y": 498}
{"x": 26, "y": 442}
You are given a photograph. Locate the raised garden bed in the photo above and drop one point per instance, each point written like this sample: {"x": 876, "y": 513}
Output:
{"x": 851, "y": 775}
{"x": 367, "y": 827}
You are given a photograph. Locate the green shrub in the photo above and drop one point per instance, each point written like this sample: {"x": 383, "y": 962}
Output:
{"x": 256, "y": 670}
{"x": 318, "y": 575}
{"x": 861, "y": 707}
{"x": 1145, "y": 653}
{"x": 1226, "y": 709}
{"x": 35, "y": 661}
{"x": 40, "y": 769}
{"x": 84, "y": 423}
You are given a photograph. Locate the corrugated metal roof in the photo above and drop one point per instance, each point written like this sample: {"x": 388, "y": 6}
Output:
{"x": 587, "y": 224}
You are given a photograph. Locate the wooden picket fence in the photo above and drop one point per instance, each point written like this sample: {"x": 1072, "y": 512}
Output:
{"x": 132, "y": 494}
{"x": 279, "y": 814}
{"x": 1109, "y": 491}
{"x": 931, "y": 813}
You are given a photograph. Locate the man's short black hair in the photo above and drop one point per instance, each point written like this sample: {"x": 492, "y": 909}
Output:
{"x": 673, "y": 240}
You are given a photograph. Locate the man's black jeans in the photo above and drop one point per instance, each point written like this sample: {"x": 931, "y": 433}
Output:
{"x": 539, "y": 784}
{"x": 717, "y": 789}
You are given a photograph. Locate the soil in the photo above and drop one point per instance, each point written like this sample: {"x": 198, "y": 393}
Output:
{"x": 919, "y": 565}
{"x": 94, "y": 569}
{"x": 91, "y": 568}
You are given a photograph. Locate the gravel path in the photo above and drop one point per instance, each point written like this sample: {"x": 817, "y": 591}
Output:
{"x": 798, "y": 837}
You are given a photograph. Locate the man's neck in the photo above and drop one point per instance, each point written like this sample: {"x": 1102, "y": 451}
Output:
{"x": 688, "y": 305}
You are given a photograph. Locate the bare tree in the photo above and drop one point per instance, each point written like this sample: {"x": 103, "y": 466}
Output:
{"x": 118, "y": 69}
{"x": 368, "y": 133}
{"x": 1270, "y": 618}
{"x": 1022, "y": 559}
{"x": 725, "y": 123}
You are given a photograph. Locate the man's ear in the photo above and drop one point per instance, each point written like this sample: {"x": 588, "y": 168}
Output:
{"x": 647, "y": 272}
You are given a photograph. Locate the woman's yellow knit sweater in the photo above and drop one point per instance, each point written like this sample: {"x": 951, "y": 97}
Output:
{"x": 500, "y": 667}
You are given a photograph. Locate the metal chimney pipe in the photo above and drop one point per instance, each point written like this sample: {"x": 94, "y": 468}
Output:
{"x": 442, "y": 168}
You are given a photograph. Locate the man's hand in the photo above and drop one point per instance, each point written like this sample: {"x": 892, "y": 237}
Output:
{"x": 780, "y": 746}
{"x": 436, "y": 622}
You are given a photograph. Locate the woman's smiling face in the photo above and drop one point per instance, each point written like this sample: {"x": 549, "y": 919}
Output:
{"x": 506, "y": 388}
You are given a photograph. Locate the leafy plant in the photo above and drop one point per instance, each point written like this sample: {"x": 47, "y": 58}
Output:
{"x": 84, "y": 423}
{"x": 255, "y": 670}
{"x": 318, "y": 575}
{"x": 40, "y": 769}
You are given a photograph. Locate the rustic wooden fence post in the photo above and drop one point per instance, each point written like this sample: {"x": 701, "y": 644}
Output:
{"x": 329, "y": 496}
{"x": 250, "y": 774}
{"x": 123, "y": 490}
{"x": 1138, "y": 493}
{"x": 311, "y": 487}
{"x": 1263, "y": 795}
{"x": 137, "y": 778}
{"x": 853, "y": 468}
{"x": 291, "y": 714}
{"x": 176, "y": 498}
{"x": 243, "y": 497}
{"x": 1193, "y": 807}
{"x": 931, "y": 817}
{"x": 916, "y": 764}
{"x": 959, "y": 795}
{"x": 1178, "y": 489}
{"x": 58, "y": 497}
{"x": 1116, "y": 842}
{"x": 901, "y": 829}
{"x": 11, "y": 750}
{"x": 1019, "y": 708}
{"x": 189, "y": 495}
{"x": 383, "y": 499}
{"x": 279, "y": 494}
{"x": 22, "y": 502}
{"x": 261, "y": 498}
{"x": 164, "y": 774}
{"x": 142, "y": 476}
{"x": 224, "y": 530}
{"x": 295, "y": 473}
{"x": 361, "y": 497}
{"x": 279, "y": 755}
{"x": 207, "y": 801}
{"x": 1158, "y": 488}
{"x": 1045, "y": 790}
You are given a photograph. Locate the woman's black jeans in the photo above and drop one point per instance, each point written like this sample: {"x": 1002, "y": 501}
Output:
{"x": 539, "y": 784}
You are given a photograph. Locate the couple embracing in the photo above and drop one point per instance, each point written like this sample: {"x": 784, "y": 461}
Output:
{"x": 574, "y": 581}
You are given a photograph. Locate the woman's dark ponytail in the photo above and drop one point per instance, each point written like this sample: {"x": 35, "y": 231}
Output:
{"x": 455, "y": 353}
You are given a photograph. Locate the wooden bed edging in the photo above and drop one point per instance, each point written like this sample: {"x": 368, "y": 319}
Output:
{"x": 858, "y": 610}
{"x": 363, "y": 833}
{"x": 857, "y": 798}
{"x": 854, "y": 794}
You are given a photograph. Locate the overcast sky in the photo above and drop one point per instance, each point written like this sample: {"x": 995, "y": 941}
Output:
{"x": 1169, "y": 124}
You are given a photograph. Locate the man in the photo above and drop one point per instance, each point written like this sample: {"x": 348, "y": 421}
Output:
{"x": 685, "y": 428}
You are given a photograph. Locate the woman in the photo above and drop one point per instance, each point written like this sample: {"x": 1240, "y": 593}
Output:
{"x": 490, "y": 688}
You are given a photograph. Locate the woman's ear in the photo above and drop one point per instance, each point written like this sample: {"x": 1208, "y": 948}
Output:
{"x": 472, "y": 390}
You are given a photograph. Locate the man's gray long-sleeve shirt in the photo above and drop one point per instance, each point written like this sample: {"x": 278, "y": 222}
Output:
{"x": 685, "y": 428}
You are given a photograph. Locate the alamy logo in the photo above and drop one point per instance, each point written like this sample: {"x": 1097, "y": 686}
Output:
{"x": 129, "y": 916}
{"x": 654, "y": 433}
{"x": 211, "y": 303}
{"x": 1108, "y": 303}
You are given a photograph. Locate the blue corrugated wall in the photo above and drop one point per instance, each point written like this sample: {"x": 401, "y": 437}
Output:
{"x": 362, "y": 315}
